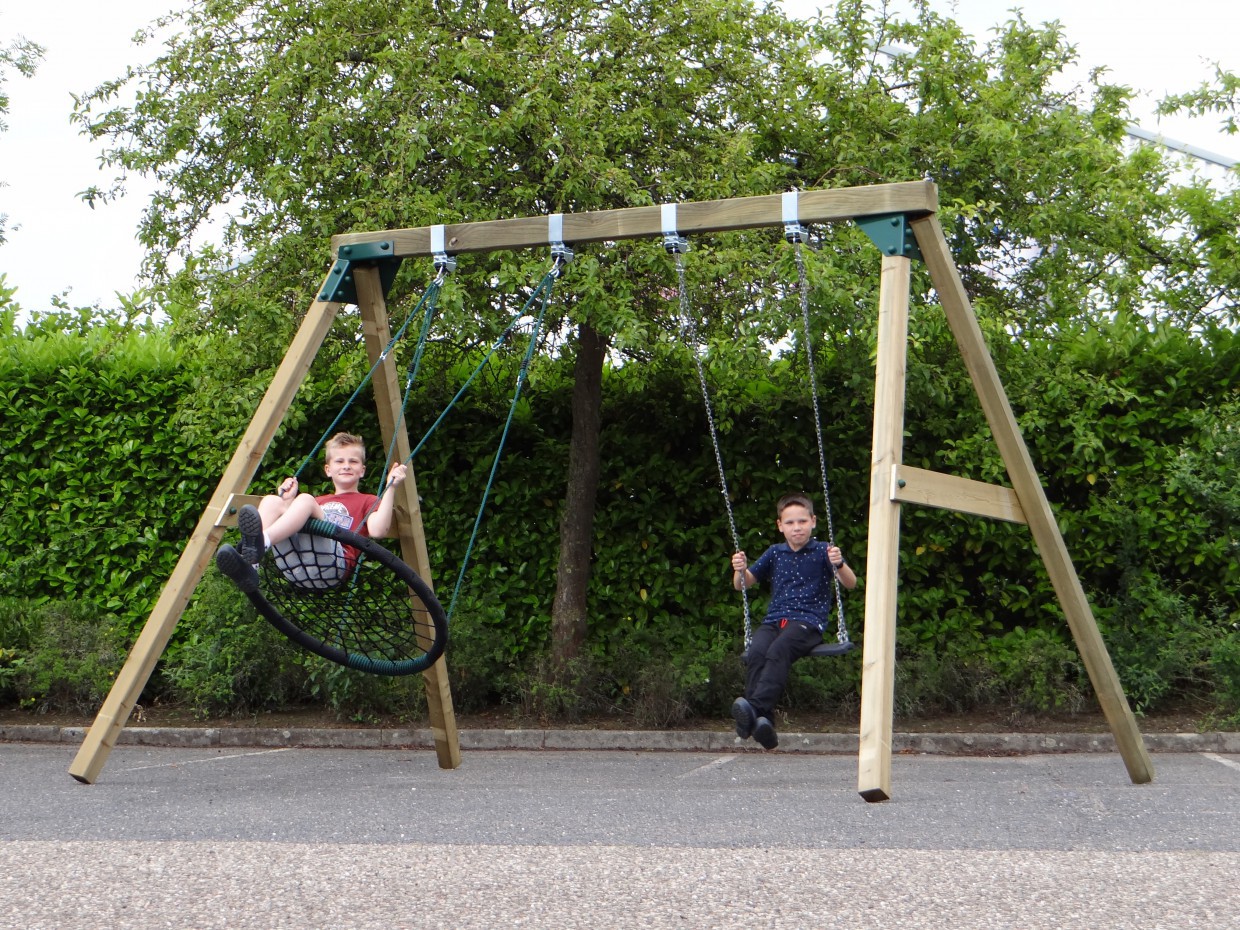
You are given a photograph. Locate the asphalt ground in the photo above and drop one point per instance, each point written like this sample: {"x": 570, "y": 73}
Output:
{"x": 288, "y": 837}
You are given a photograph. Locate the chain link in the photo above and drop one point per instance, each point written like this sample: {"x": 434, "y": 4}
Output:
{"x": 803, "y": 289}
{"x": 688, "y": 328}
{"x": 689, "y": 331}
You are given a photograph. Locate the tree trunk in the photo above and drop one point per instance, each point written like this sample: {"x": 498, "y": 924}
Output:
{"x": 568, "y": 614}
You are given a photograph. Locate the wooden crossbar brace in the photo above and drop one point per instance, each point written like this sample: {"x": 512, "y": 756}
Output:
{"x": 228, "y": 513}
{"x": 948, "y": 492}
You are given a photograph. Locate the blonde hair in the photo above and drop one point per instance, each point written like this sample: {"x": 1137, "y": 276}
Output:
{"x": 345, "y": 439}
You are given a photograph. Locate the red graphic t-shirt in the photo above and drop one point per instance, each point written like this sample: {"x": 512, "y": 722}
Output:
{"x": 348, "y": 511}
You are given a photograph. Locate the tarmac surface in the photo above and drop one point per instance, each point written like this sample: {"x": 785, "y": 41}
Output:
{"x": 256, "y": 829}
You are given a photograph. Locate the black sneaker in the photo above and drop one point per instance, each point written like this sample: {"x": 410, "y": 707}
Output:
{"x": 251, "y": 526}
{"x": 765, "y": 734}
{"x": 743, "y": 714}
{"x": 233, "y": 566}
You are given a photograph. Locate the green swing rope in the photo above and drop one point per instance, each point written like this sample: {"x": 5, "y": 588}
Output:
{"x": 542, "y": 293}
{"x": 429, "y": 300}
{"x": 375, "y": 615}
{"x": 478, "y": 369}
{"x": 363, "y": 621}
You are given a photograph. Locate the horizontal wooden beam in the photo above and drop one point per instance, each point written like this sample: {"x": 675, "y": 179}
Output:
{"x": 934, "y": 489}
{"x": 912, "y": 198}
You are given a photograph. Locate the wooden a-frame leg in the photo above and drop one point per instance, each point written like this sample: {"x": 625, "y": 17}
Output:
{"x": 198, "y": 551}
{"x": 878, "y": 657}
{"x": 1028, "y": 488}
{"x": 377, "y": 334}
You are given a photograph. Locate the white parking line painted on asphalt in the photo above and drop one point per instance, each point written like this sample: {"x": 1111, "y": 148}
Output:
{"x": 722, "y": 760}
{"x": 233, "y": 755}
{"x": 1230, "y": 763}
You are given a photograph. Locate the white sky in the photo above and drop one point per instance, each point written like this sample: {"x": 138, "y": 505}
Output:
{"x": 57, "y": 243}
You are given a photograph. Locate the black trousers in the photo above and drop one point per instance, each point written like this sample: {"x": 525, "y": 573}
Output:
{"x": 773, "y": 649}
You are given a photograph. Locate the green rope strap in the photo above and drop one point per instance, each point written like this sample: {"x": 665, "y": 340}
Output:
{"x": 429, "y": 299}
{"x": 542, "y": 293}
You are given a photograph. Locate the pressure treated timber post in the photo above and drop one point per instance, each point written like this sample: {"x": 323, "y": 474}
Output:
{"x": 1028, "y": 488}
{"x": 199, "y": 550}
{"x": 878, "y": 657}
{"x": 388, "y": 400}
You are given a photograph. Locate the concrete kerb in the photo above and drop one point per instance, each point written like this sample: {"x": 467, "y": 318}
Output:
{"x": 709, "y": 741}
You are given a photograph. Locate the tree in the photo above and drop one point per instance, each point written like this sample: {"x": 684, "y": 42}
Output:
{"x": 1051, "y": 214}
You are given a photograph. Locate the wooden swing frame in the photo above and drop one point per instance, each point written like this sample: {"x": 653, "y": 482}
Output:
{"x": 902, "y": 221}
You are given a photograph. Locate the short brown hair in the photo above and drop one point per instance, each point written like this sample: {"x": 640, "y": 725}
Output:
{"x": 790, "y": 500}
{"x": 345, "y": 439}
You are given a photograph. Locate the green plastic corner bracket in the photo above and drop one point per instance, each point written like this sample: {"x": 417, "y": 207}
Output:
{"x": 892, "y": 234}
{"x": 340, "y": 286}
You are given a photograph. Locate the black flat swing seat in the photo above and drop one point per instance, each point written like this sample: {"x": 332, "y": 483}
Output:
{"x": 827, "y": 650}
{"x": 821, "y": 651}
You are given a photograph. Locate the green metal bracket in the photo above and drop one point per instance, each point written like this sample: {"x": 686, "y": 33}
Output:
{"x": 892, "y": 234}
{"x": 340, "y": 287}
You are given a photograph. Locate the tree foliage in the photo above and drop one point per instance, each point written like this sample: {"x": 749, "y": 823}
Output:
{"x": 303, "y": 121}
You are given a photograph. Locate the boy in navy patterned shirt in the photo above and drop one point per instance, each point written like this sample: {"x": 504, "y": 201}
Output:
{"x": 799, "y": 572}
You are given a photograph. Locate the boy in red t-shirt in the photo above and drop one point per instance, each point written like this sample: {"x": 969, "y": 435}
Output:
{"x": 279, "y": 518}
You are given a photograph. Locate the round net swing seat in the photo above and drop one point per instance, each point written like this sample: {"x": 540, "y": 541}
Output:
{"x": 373, "y": 614}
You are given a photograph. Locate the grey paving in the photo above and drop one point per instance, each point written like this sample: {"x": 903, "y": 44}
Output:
{"x": 280, "y": 836}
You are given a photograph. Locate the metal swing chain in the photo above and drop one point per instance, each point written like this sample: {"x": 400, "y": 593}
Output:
{"x": 803, "y": 288}
{"x": 689, "y": 330}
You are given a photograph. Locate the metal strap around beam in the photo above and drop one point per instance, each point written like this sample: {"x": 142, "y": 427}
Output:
{"x": 911, "y": 198}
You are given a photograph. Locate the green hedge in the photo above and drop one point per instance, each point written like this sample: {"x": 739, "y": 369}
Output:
{"x": 1132, "y": 427}
{"x": 100, "y": 488}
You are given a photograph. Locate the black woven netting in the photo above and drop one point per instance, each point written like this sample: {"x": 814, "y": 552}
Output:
{"x": 354, "y": 604}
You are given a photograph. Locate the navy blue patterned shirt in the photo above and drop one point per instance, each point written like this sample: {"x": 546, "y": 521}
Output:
{"x": 801, "y": 583}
